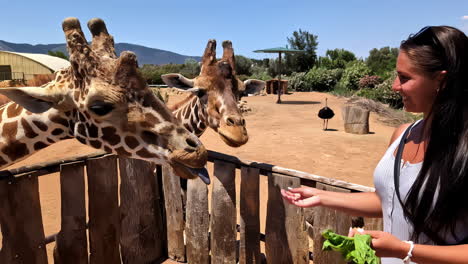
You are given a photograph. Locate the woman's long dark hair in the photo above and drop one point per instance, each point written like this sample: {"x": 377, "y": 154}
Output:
{"x": 439, "y": 196}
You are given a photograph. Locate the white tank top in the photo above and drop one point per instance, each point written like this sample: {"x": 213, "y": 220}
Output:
{"x": 392, "y": 212}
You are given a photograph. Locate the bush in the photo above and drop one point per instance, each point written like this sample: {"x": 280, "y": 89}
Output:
{"x": 354, "y": 71}
{"x": 260, "y": 73}
{"x": 383, "y": 93}
{"x": 322, "y": 79}
{"x": 369, "y": 81}
{"x": 298, "y": 82}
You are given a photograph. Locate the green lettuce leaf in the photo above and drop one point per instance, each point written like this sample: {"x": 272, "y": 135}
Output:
{"x": 354, "y": 249}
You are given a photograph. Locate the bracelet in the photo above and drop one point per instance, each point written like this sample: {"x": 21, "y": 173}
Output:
{"x": 407, "y": 259}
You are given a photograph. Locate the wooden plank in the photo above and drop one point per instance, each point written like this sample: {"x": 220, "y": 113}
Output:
{"x": 71, "y": 242}
{"x": 43, "y": 168}
{"x": 269, "y": 168}
{"x": 142, "y": 237}
{"x": 198, "y": 222}
{"x": 249, "y": 250}
{"x": 373, "y": 224}
{"x": 21, "y": 221}
{"x": 174, "y": 215}
{"x": 223, "y": 214}
{"x": 286, "y": 235}
{"x": 104, "y": 218}
{"x": 328, "y": 218}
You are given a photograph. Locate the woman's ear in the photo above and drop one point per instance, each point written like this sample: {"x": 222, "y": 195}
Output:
{"x": 441, "y": 77}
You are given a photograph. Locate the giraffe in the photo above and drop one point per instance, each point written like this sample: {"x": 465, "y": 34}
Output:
{"x": 102, "y": 101}
{"x": 214, "y": 96}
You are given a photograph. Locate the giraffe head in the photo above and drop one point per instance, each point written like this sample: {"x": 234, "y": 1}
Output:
{"x": 104, "y": 102}
{"x": 219, "y": 90}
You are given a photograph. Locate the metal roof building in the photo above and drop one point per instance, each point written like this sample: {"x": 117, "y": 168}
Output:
{"x": 23, "y": 66}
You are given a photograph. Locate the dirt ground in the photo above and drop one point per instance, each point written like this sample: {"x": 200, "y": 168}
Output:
{"x": 289, "y": 135}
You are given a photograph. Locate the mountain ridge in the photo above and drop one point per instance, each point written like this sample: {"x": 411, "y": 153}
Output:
{"x": 145, "y": 55}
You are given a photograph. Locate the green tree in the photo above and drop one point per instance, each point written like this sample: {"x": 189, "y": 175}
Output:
{"x": 301, "y": 62}
{"x": 57, "y": 54}
{"x": 190, "y": 68}
{"x": 382, "y": 61}
{"x": 354, "y": 71}
{"x": 336, "y": 59}
{"x": 243, "y": 65}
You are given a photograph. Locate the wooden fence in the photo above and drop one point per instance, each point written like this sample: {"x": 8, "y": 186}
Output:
{"x": 145, "y": 222}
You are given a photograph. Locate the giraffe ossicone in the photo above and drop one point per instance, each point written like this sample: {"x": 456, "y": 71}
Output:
{"x": 215, "y": 93}
{"x": 102, "y": 101}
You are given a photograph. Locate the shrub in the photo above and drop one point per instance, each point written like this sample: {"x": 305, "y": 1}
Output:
{"x": 298, "y": 82}
{"x": 369, "y": 81}
{"x": 322, "y": 79}
{"x": 260, "y": 73}
{"x": 354, "y": 71}
{"x": 383, "y": 93}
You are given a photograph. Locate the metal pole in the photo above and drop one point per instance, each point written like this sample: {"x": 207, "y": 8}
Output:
{"x": 279, "y": 80}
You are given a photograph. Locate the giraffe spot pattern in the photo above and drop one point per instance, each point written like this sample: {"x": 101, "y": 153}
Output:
{"x": 131, "y": 142}
{"x": 57, "y": 131}
{"x": 109, "y": 135}
{"x": 149, "y": 137}
{"x": 39, "y": 124}
{"x": 14, "y": 150}
{"x": 121, "y": 151}
{"x": 107, "y": 149}
{"x": 81, "y": 139}
{"x": 93, "y": 130}
{"x": 144, "y": 153}
{"x": 151, "y": 118}
{"x": 3, "y": 162}
{"x": 82, "y": 130}
{"x": 28, "y": 131}
{"x": 59, "y": 120}
{"x": 39, "y": 145}
{"x": 14, "y": 110}
{"x": 50, "y": 140}
{"x": 95, "y": 144}
{"x": 9, "y": 130}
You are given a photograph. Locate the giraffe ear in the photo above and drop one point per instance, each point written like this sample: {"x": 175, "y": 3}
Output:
{"x": 177, "y": 80}
{"x": 34, "y": 99}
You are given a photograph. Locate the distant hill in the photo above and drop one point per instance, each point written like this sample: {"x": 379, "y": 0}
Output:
{"x": 144, "y": 54}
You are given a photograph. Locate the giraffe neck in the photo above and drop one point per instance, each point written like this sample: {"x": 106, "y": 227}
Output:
{"x": 193, "y": 115}
{"x": 22, "y": 133}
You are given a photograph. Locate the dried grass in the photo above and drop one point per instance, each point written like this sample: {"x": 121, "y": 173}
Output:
{"x": 387, "y": 115}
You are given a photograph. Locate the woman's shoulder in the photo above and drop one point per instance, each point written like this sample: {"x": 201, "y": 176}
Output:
{"x": 398, "y": 131}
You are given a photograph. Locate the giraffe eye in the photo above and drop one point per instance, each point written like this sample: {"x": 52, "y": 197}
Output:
{"x": 201, "y": 93}
{"x": 101, "y": 108}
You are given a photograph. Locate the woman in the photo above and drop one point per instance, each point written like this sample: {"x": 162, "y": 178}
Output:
{"x": 426, "y": 219}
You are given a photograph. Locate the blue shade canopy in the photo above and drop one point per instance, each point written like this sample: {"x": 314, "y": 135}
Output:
{"x": 278, "y": 50}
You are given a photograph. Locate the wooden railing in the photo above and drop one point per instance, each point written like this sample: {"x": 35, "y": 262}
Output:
{"x": 150, "y": 224}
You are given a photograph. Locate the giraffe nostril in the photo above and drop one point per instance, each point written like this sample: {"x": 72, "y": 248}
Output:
{"x": 230, "y": 121}
{"x": 191, "y": 143}
{"x": 243, "y": 122}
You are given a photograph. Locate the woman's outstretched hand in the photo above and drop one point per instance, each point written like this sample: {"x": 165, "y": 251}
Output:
{"x": 302, "y": 196}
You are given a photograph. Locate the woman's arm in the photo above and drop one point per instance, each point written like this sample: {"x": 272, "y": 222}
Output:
{"x": 358, "y": 204}
{"x": 387, "y": 245}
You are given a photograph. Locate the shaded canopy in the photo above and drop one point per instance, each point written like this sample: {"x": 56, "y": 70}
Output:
{"x": 278, "y": 50}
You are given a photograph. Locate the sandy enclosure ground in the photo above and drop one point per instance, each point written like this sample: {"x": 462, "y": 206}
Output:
{"x": 289, "y": 135}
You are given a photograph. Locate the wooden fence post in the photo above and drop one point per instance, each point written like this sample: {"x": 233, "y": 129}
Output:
{"x": 21, "y": 221}
{"x": 104, "y": 217}
{"x": 286, "y": 235}
{"x": 249, "y": 249}
{"x": 223, "y": 214}
{"x": 71, "y": 242}
{"x": 197, "y": 222}
{"x": 141, "y": 237}
{"x": 174, "y": 214}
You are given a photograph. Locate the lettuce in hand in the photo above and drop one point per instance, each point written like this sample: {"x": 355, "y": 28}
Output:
{"x": 355, "y": 249}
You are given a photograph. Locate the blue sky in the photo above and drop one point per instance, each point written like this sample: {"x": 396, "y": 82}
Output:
{"x": 184, "y": 26}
